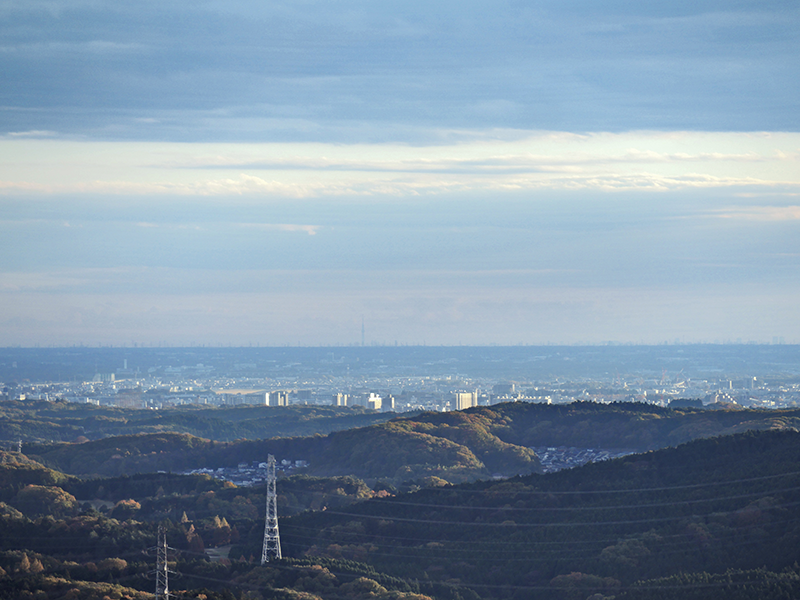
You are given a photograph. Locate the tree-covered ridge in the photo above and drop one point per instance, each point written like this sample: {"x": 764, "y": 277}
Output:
{"x": 630, "y": 425}
{"x": 28, "y": 575}
{"x": 126, "y": 454}
{"x": 702, "y": 508}
{"x": 475, "y": 430}
{"x": 86, "y": 538}
{"x": 712, "y": 518}
{"x": 18, "y": 471}
{"x": 457, "y": 446}
{"x": 395, "y": 452}
{"x": 619, "y": 425}
{"x": 39, "y": 421}
{"x": 400, "y": 450}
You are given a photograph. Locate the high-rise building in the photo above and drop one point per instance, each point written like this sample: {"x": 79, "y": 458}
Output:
{"x": 257, "y": 398}
{"x": 279, "y": 398}
{"x": 462, "y": 400}
{"x": 374, "y": 401}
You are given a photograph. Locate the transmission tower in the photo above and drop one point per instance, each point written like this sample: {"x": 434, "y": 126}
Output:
{"x": 272, "y": 540}
{"x": 162, "y": 571}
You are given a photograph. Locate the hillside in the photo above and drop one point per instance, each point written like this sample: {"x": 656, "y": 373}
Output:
{"x": 18, "y": 471}
{"x": 629, "y": 425}
{"x": 394, "y": 451}
{"x": 713, "y": 518}
{"x": 61, "y": 537}
{"x": 723, "y": 511}
{"x": 38, "y": 421}
{"x": 457, "y": 446}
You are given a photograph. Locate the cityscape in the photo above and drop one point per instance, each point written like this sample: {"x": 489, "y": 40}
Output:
{"x": 401, "y": 380}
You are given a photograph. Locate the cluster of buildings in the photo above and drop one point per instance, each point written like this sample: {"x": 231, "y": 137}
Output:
{"x": 395, "y": 394}
{"x": 557, "y": 458}
{"x": 250, "y": 474}
{"x": 379, "y": 386}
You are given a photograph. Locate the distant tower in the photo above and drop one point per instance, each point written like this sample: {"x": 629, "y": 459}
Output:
{"x": 272, "y": 539}
{"x": 162, "y": 571}
{"x": 362, "y": 331}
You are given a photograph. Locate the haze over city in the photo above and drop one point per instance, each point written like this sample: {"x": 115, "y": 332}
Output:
{"x": 463, "y": 173}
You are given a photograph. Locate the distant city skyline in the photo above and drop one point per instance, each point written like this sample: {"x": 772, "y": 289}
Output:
{"x": 450, "y": 174}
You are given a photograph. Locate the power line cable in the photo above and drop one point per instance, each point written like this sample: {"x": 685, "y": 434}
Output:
{"x": 589, "y": 508}
{"x": 513, "y": 524}
{"x": 461, "y": 489}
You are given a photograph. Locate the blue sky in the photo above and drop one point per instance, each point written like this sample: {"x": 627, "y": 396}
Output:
{"x": 463, "y": 173}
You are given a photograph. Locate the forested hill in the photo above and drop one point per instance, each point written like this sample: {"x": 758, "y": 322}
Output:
{"x": 394, "y": 451}
{"x": 629, "y": 425}
{"x": 714, "y": 518}
{"x": 456, "y": 446}
{"x": 39, "y": 421}
{"x": 66, "y": 538}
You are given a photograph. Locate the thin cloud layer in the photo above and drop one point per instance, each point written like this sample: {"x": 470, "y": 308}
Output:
{"x": 762, "y": 213}
{"x": 392, "y": 71}
{"x": 454, "y": 172}
{"x": 548, "y": 160}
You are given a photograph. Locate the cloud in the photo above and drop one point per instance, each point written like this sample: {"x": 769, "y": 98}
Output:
{"x": 414, "y": 184}
{"x": 764, "y": 194}
{"x": 371, "y": 71}
{"x": 94, "y": 47}
{"x": 540, "y": 160}
{"x": 760, "y": 213}
{"x": 500, "y": 163}
{"x": 148, "y": 280}
{"x": 421, "y": 183}
{"x": 51, "y": 281}
{"x": 34, "y": 133}
{"x": 636, "y": 161}
{"x": 309, "y": 229}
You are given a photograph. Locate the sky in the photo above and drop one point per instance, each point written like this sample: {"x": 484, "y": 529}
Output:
{"x": 278, "y": 173}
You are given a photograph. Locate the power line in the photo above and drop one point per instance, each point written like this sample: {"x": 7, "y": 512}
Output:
{"x": 462, "y": 490}
{"x": 537, "y": 546}
{"x": 513, "y": 524}
{"x": 585, "y": 508}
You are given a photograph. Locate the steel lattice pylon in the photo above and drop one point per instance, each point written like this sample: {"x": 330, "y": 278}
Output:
{"x": 162, "y": 571}
{"x": 272, "y": 539}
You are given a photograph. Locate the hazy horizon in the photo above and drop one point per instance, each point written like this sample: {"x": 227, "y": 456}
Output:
{"x": 501, "y": 363}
